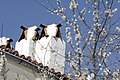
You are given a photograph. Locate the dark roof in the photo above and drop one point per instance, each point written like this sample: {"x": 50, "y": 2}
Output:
{"x": 32, "y": 64}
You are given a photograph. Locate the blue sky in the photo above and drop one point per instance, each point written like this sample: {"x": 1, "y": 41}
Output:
{"x": 14, "y": 13}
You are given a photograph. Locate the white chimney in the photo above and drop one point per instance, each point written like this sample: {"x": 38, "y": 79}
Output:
{"x": 27, "y": 46}
{"x": 51, "y": 50}
{"x": 4, "y": 41}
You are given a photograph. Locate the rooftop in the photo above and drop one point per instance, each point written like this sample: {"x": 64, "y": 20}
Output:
{"x": 30, "y": 66}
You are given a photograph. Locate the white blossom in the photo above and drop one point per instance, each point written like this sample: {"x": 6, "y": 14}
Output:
{"x": 92, "y": 39}
{"x": 83, "y": 11}
{"x": 77, "y": 43}
{"x": 95, "y": 12}
{"x": 118, "y": 1}
{"x": 69, "y": 39}
{"x": 63, "y": 9}
{"x": 84, "y": 43}
{"x": 95, "y": 19}
{"x": 89, "y": 77}
{"x": 111, "y": 40}
{"x": 87, "y": 1}
{"x": 73, "y": 5}
{"x": 99, "y": 64}
{"x": 89, "y": 11}
{"x": 83, "y": 76}
{"x": 78, "y": 50}
{"x": 95, "y": 3}
{"x": 82, "y": 18}
{"x": 58, "y": 14}
{"x": 116, "y": 75}
{"x": 92, "y": 75}
{"x": 97, "y": 25}
{"x": 106, "y": 71}
{"x": 117, "y": 29}
{"x": 91, "y": 36}
{"x": 55, "y": 11}
{"x": 104, "y": 32}
{"x": 108, "y": 11}
{"x": 68, "y": 35}
{"x": 106, "y": 2}
{"x": 114, "y": 10}
{"x": 101, "y": 68}
{"x": 96, "y": 15}
{"x": 77, "y": 36}
{"x": 67, "y": 29}
{"x": 64, "y": 17}
{"x": 110, "y": 53}
{"x": 104, "y": 54}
